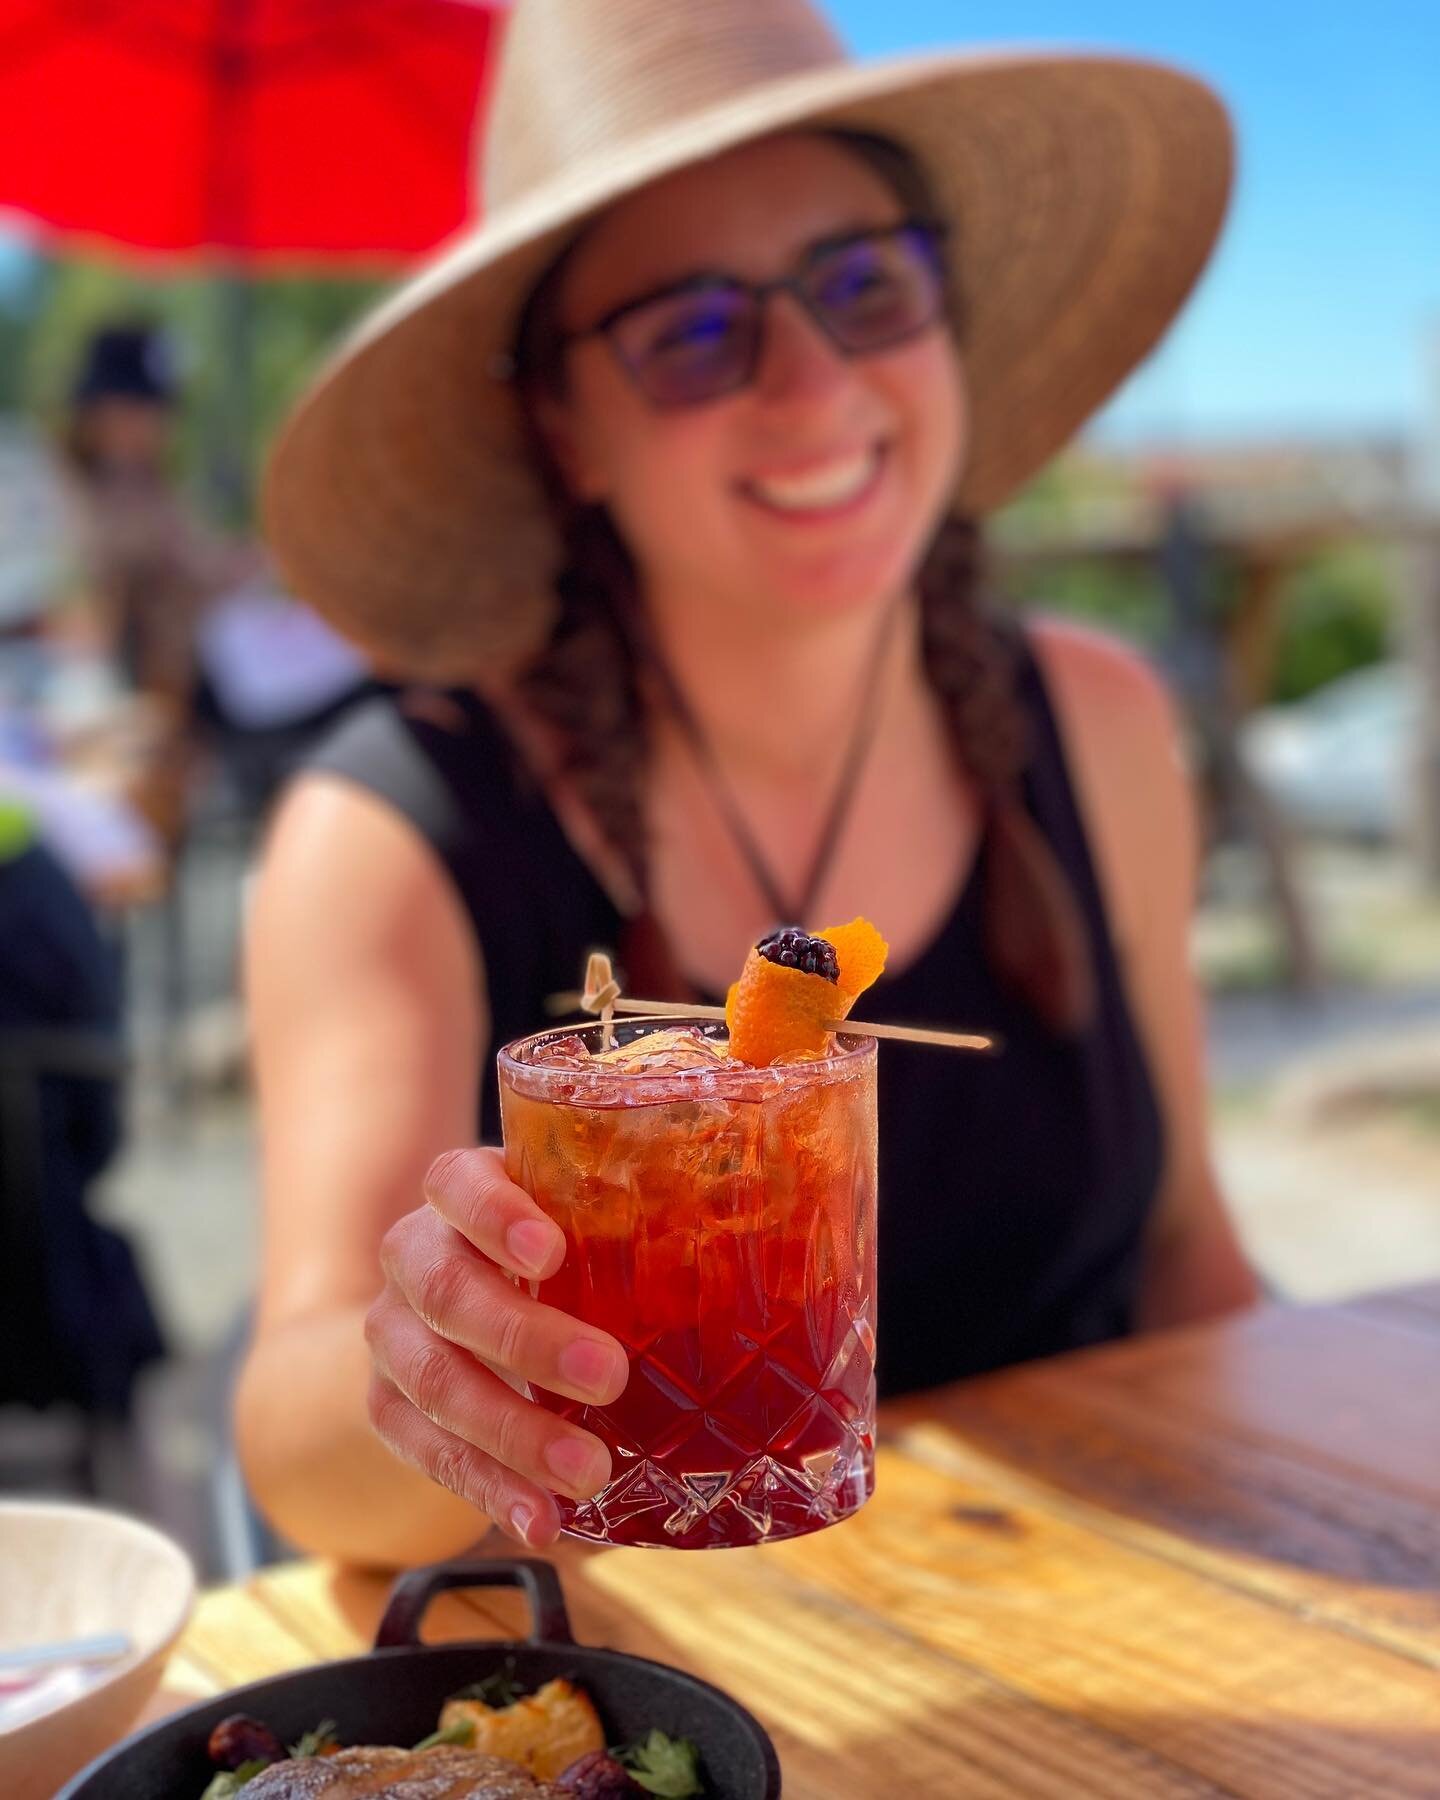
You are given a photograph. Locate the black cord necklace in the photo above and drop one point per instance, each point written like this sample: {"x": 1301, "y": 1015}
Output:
{"x": 862, "y": 738}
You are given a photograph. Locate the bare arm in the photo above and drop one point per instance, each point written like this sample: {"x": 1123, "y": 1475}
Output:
{"x": 368, "y": 1023}
{"x": 377, "y": 1416}
{"x": 1124, "y": 748}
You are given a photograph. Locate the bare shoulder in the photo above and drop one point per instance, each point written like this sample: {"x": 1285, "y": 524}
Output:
{"x": 362, "y": 979}
{"x": 1124, "y": 747}
{"x": 346, "y": 879}
{"x": 1101, "y": 685}
{"x": 327, "y": 831}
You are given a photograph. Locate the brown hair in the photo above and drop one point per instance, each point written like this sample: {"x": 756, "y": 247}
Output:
{"x": 585, "y": 686}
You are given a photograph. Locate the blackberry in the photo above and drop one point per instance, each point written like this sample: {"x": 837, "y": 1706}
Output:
{"x": 597, "y": 1776}
{"x": 240, "y": 1739}
{"x": 793, "y": 948}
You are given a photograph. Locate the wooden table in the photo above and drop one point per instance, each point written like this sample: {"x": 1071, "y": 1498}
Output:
{"x": 1206, "y": 1563}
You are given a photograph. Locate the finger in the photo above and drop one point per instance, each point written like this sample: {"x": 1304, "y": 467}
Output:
{"x": 457, "y": 1393}
{"x": 464, "y": 1298}
{"x": 522, "y": 1510}
{"x": 471, "y": 1191}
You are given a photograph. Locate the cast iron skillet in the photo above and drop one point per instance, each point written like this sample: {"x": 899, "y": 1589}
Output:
{"x": 394, "y": 1695}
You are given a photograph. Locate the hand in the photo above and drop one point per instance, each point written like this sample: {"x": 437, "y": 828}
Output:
{"x": 450, "y": 1333}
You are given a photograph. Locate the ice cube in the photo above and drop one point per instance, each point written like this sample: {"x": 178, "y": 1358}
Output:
{"x": 563, "y": 1053}
{"x": 662, "y": 1052}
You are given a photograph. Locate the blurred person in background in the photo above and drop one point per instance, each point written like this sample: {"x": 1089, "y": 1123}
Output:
{"x": 666, "y": 483}
{"x": 147, "y": 567}
{"x": 149, "y": 562}
{"x": 189, "y": 618}
{"x": 59, "y": 693}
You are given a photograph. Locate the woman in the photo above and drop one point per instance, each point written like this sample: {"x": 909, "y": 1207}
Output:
{"x": 706, "y": 362}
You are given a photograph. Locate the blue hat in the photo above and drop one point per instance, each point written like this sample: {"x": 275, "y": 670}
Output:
{"x": 132, "y": 362}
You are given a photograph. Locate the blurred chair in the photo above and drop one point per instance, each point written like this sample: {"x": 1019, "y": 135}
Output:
{"x": 243, "y": 1538}
{"x": 254, "y": 722}
{"x": 34, "y": 1364}
{"x": 190, "y": 1476}
{"x": 271, "y": 679}
{"x": 76, "y": 1324}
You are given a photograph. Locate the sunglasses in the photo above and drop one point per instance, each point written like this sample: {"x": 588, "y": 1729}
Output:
{"x": 702, "y": 338}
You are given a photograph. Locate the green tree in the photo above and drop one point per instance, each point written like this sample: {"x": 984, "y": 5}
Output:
{"x": 1338, "y": 613}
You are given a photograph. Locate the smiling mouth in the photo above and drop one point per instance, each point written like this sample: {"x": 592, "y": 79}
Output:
{"x": 826, "y": 491}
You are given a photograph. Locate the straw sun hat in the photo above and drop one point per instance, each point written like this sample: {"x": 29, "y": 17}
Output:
{"x": 1085, "y": 192}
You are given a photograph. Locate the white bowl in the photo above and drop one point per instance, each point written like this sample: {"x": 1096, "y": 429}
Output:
{"x": 71, "y": 1572}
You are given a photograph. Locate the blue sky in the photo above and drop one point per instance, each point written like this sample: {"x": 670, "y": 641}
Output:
{"x": 1320, "y": 309}
{"x": 1315, "y": 313}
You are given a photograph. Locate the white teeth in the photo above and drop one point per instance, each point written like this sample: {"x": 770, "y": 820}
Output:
{"x": 832, "y": 485}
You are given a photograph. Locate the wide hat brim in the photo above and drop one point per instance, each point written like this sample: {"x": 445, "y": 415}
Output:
{"x": 1086, "y": 194}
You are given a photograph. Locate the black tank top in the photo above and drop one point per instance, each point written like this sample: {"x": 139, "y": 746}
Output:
{"x": 1014, "y": 1191}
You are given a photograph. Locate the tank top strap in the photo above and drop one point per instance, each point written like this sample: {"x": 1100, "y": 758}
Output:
{"x": 1051, "y": 797}
{"x": 442, "y": 760}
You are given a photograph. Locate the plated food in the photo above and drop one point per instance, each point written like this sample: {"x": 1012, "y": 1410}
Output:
{"x": 492, "y": 1742}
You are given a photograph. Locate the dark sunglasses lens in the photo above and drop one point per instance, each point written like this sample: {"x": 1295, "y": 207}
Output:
{"x": 689, "y": 347}
{"x": 878, "y": 290}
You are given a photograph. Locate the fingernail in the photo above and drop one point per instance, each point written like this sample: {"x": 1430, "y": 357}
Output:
{"x": 591, "y": 1366}
{"x": 576, "y": 1464}
{"x": 522, "y": 1518}
{"x": 530, "y": 1244}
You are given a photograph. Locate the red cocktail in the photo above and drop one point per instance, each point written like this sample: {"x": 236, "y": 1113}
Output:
{"x": 720, "y": 1222}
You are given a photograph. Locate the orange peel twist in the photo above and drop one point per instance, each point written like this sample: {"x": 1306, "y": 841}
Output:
{"x": 774, "y": 1012}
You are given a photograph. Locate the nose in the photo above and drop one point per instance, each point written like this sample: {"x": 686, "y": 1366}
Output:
{"x": 797, "y": 360}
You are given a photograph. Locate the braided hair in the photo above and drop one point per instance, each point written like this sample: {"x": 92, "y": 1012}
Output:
{"x": 585, "y": 687}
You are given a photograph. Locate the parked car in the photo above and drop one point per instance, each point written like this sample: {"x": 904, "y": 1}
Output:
{"x": 1339, "y": 761}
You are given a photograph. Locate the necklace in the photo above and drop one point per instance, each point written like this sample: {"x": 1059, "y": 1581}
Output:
{"x": 862, "y": 737}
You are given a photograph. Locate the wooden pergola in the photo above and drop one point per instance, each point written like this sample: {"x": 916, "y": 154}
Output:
{"x": 1224, "y": 666}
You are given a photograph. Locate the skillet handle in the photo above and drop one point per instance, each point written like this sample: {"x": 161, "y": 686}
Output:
{"x": 411, "y": 1596}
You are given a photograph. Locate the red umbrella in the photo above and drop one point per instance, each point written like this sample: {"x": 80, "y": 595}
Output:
{"x": 261, "y": 130}
{"x": 254, "y": 133}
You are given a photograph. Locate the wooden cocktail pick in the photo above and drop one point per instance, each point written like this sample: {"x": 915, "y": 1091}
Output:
{"x": 602, "y": 995}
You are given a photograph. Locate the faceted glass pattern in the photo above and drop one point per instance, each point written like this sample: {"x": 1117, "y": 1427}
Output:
{"x": 719, "y": 1221}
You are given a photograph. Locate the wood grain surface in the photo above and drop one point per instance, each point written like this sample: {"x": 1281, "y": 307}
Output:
{"x": 1201, "y": 1563}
